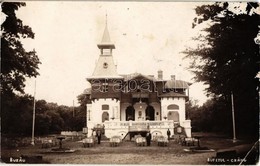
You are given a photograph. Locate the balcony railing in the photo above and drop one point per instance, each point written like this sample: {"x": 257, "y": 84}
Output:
{"x": 141, "y": 125}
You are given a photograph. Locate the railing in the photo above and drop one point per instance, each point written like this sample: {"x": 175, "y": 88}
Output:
{"x": 70, "y": 133}
{"x": 139, "y": 124}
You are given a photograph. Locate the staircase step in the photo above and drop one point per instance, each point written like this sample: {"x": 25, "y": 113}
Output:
{"x": 103, "y": 137}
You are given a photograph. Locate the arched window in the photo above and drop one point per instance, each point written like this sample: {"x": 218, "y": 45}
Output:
{"x": 149, "y": 113}
{"x": 105, "y": 116}
{"x": 130, "y": 113}
{"x": 173, "y": 107}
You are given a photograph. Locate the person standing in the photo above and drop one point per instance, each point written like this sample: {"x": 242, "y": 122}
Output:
{"x": 99, "y": 136}
{"x": 148, "y": 138}
{"x": 168, "y": 134}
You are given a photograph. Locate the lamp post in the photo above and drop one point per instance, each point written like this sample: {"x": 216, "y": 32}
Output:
{"x": 33, "y": 121}
{"x": 233, "y": 118}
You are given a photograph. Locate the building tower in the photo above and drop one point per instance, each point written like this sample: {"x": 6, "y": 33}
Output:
{"x": 105, "y": 99}
{"x": 105, "y": 66}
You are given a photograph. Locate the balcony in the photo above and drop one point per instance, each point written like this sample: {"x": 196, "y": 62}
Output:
{"x": 139, "y": 125}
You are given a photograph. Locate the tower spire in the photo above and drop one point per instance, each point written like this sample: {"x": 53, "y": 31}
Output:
{"x": 106, "y": 42}
{"x": 105, "y": 66}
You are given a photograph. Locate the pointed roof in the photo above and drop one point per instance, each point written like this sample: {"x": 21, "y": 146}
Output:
{"x": 105, "y": 68}
{"x": 106, "y": 36}
{"x": 177, "y": 84}
{"x": 106, "y": 42}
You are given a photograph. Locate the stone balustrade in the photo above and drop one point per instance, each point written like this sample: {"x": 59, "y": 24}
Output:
{"x": 139, "y": 124}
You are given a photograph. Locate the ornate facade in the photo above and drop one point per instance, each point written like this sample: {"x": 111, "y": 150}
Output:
{"x": 133, "y": 103}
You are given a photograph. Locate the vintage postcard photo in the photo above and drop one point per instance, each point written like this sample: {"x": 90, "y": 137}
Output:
{"x": 127, "y": 82}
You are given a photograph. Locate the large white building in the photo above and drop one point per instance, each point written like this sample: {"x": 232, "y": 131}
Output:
{"x": 131, "y": 104}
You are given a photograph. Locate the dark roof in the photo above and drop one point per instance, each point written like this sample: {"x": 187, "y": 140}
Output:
{"x": 172, "y": 94}
{"x": 169, "y": 84}
{"x": 176, "y": 84}
{"x": 135, "y": 75}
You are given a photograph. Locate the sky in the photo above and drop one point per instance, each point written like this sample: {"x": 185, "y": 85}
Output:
{"x": 148, "y": 36}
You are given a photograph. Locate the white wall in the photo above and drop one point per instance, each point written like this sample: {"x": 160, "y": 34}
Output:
{"x": 95, "y": 112}
{"x": 96, "y": 109}
{"x": 180, "y": 101}
{"x": 157, "y": 108}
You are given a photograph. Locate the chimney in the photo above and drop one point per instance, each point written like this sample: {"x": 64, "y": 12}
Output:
{"x": 173, "y": 77}
{"x": 160, "y": 74}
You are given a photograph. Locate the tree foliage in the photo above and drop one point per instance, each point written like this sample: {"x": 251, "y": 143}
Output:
{"x": 16, "y": 62}
{"x": 227, "y": 59}
{"x": 15, "y": 115}
{"x": 50, "y": 118}
{"x": 211, "y": 116}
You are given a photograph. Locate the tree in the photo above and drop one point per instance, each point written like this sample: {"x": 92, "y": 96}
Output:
{"x": 16, "y": 115}
{"x": 16, "y": 62}
{"x": 57, "y": 122}
{"x": 42, "y": 124}
{"x": 226, "y": 59}
{"x": 79, "y": 120}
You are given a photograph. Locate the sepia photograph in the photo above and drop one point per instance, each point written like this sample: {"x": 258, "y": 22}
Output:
{"x": 130, "y": 82}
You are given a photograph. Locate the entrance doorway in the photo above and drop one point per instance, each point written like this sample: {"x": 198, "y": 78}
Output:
{"x": 105, "y": 116}
{"x": 173, "y": 115}
{"x": 149, "y": 113}
{"x": 130, "y": 113}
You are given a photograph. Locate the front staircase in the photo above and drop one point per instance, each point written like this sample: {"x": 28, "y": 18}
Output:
{"x": 104, "y": 138}
{"x": 131, "y": 135}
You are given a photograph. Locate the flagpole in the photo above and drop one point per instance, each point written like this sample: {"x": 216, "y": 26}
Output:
{"x": 33, "y": 121}
{"x": 233, "y": 118}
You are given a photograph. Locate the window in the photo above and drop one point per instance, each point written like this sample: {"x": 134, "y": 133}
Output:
{"x": 106, "y": 52}
{"x": 140, "y": 113}
{"x": 173, "y": 107}
{"x": 105, "y": 65}
{"x": 105, "y": 107}
{"x": 105, "y": 116}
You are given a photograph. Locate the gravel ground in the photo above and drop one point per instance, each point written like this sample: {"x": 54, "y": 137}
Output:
{"x": 129, "y": 153}
{"x": 126, "y": 153}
